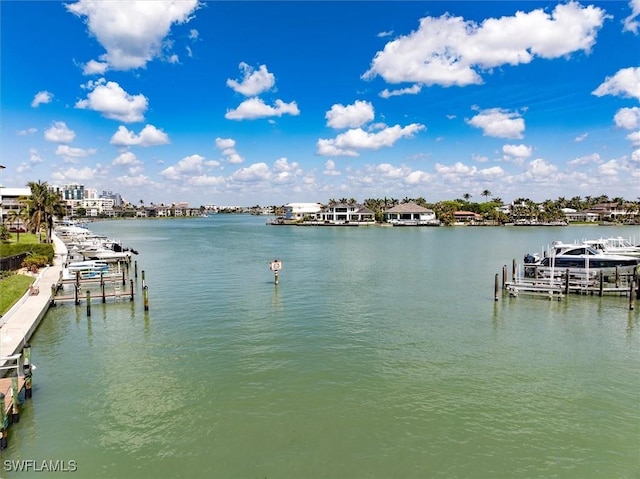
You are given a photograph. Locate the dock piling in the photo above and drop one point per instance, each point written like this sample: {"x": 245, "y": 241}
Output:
{"x": 601, "y": 287}
{"x": 15, "y": 408}
{"x": 145, "y": 295}
{"x": 4, "y": 423}
{"x": 495, "y": 288}
{"x": 88, "y": 303}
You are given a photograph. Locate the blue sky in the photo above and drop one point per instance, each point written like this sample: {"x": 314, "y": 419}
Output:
{"x": 244, "y": 103}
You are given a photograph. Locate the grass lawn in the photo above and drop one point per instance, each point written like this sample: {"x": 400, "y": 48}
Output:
{"x": 11, "y": 290}
{"x": 25, "y": 238}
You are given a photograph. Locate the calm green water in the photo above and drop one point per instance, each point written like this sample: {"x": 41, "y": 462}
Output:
{"x": 381, "y": 353}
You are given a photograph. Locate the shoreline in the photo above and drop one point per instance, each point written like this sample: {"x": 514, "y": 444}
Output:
{"x": 19, "y": 324}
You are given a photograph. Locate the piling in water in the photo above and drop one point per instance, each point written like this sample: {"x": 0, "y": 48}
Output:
{"x": 4, "y": 424}
{"x": 601, "y": 290}
{"x": 15, "y": 408}
{"x": 28, "y": 372}
{"x": 88, "y": 303}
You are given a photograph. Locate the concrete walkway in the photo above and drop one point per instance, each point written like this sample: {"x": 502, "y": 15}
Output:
{"x": 19, "y": 323}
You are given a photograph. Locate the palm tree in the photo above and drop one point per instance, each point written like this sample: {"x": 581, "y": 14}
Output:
{"x": 41, "y": 208}
{"x": 34, "y": 205}
{"x": 466, "y": 196}
{"x": 486, "y": 194}
{"x": 17, "y": 217}
{"x": 53, "y": 207}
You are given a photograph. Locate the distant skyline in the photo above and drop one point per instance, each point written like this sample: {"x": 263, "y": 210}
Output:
{"x": 245, "y": 103}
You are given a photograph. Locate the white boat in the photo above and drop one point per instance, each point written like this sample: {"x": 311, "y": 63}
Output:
{"x": 615, "y": 245}
{"x": 85, "y": 269}
{"x": 577, "y": 258}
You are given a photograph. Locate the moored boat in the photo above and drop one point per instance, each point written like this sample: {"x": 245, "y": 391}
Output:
{"x": 578, "y": 258}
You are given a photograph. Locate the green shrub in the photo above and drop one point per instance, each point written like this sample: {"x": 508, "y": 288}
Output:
{"x": 43, "y": 249}
{"x": 35, "y": 261}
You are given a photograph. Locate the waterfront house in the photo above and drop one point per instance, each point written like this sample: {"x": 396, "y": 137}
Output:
{"x": 571, "y": 214}
{"x": 342, "y": 213}
{"x": 300, "y": 211}
{"x": 467, "y": 217}
{"x": 410, "y": 214}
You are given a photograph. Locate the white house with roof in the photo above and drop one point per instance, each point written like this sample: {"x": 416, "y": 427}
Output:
{"x": 339, "y": 213}
{"x": 299, "y": 211}
{"x": 410, "y": 214}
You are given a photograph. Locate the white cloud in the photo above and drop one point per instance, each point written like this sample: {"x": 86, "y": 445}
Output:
{"x": 74, "y": 174}
{"x": 132, "y": 32}
{"x": 254, "y": 173}
{"x": 126, "y": 158}
{"x": 227, "y": 146}
{"x": 610, "y": 168}
{"x": 449, "y": 50}
{"x": 385, "y": 34}
{"x": 580, "y": 138}
{"x": 585, "y": 160}
{"x": 253, "y": 82}
{"x": 456, "y": 170}
{"x": 255, "y": 108}
{"x": 491, "y": 172}
{"x": 113, "y": 102}
{"x": 631, "y": 24}
{"x": 148, "y": 136}
{"x": 418, "y": 177}
{"x": 282, "y": 165}
{"x": 330, "y": 169}
{"x": 350, "y": 116}
{"x": 625, "y": 83}
{"x": 519, "y": 151}
{"x": 34, "y": 157}
{"x": 388, "y": 170}
{"x": 58, "y": 132}
{"x": 412, "y": 90}
{"x": 28, "y": 131}
{"x": 41, "y": 97}
{"x": 23, "y": 168}
{"x": 93, "y": 67}
{"x": 627, "y": 118}
{"x": 210, "y": 181}
{"x": 71, "y": 155}
{"x": 347, "y": 143}
{"x": 134, "y": 181}
{"x": 634, "y": 138}
{"x": 187, "y": 166}
{"x": 499, "y": 123}
{"x": 540, "y": 169}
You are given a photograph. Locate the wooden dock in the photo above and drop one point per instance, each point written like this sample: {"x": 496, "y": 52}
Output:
{"x": 560, "y": 283}
{"x": 14, "y": 389}
{"x": 116, "y": 286}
